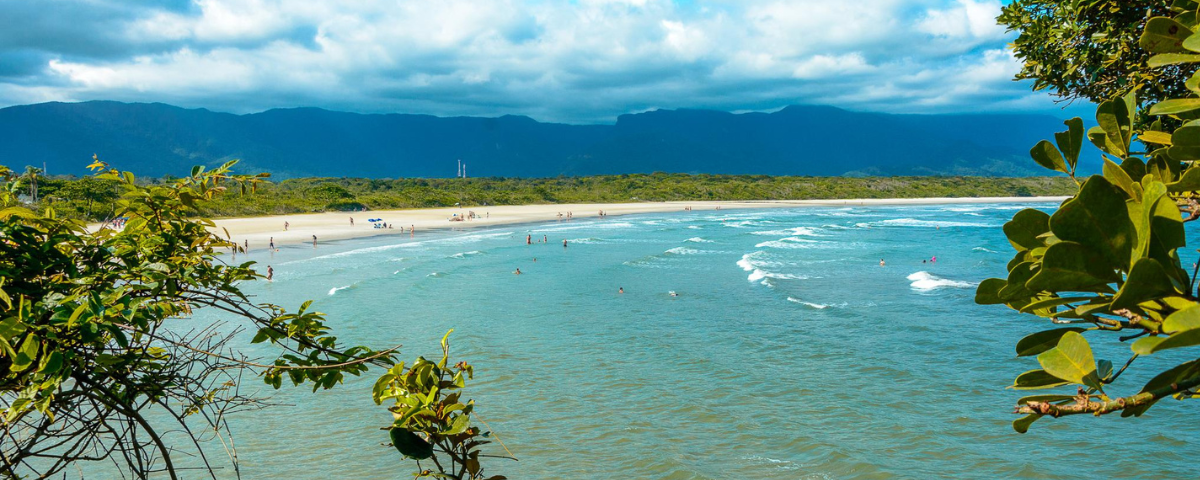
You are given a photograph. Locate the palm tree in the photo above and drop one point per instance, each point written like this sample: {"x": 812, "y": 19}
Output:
{"x": 32, "y": 173}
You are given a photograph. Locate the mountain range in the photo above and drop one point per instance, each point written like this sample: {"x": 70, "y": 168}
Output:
{"x": 154, "y": 139}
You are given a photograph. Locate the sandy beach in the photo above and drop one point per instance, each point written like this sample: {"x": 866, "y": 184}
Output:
{"x": 259, "y": 231}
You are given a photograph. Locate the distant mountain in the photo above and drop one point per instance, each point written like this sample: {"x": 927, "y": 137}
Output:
{"x": 156, "y": 139}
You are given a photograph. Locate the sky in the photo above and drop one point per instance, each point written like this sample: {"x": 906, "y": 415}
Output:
{"x": 579, "y": 61}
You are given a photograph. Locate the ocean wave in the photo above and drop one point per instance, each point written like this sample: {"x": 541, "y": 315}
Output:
{"x": 753, "y": 263}
{"x": 818, "y": 306}
{"x": 759, "y": 274}
{"x": 466, "y": 254}
{"x": 981, "y": 249}
{"x": 585, "y": 241}
{"x": 436, "y": 275}
{"x": 471, "y": 238}
{"x": 698, "y": 240}
{"x": 793, "y": 243}
{"x": 580, "y": 226}
{"x": 980, "y": 208}
{"x": 927, "y": 281}
{"x": 795, "y": 231}
{"x": 360, "y": 251}
{"x": 912, "y": 222}
{"x": 682, "y": 251}
{"x": 334, "y": 290}
{"x": 694, "y": 227}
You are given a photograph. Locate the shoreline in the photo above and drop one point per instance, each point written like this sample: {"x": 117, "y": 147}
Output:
{"x": 259, "y": 231}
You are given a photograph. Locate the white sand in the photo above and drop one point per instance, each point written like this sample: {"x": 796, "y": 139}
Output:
{"x": 333, "y": 226}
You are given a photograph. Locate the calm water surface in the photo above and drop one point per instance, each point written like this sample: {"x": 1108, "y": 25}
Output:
{"x": 789, "y": 352}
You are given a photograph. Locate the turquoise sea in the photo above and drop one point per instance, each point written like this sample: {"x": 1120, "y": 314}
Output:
{"x": 789, "y": 351}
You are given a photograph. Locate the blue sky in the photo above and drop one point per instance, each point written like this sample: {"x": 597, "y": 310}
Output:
{"x": 578, "y": 61}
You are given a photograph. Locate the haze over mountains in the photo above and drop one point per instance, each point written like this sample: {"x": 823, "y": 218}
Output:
{"x": 154, "y": 139}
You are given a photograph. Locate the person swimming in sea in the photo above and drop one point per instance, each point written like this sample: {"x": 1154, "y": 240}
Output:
{"x": 564, "y": 243}
{"x": 673, "y": 294}
{"x": 518, "y": 272}
{"x": 270, "y": 273}
{"x": 620, "y": 289}
{"x": 881, "y": 262}
{"x": 529, "y": 239}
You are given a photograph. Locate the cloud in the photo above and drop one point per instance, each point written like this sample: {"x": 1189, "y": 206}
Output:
{"x": 557, "y": 60}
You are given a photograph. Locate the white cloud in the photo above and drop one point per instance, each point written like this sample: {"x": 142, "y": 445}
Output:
{"x": 588, "y": 60}
{"x": 968, "y": 19}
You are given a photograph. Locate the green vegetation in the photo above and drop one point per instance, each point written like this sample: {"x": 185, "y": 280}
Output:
{"x": 1108, "y": 264}
{"x": 1089, "y": 50}
{"x": 100, "y": 356}
{"x": 431, "y": 421}
{"x": 91, "y": 198}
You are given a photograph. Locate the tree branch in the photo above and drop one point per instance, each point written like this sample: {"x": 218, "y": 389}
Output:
{"x": 1085, "y": 405}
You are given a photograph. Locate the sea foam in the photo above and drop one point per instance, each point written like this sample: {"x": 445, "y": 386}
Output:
{"x": 927, "y": 281}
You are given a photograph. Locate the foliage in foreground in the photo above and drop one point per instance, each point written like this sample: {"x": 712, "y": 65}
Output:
{"x": 1088, "y": 50}
{"x": 431, "y": 420}
{"x": 88, "y": 197}
{"x": 100, "y": 360}
{"x": 1108, "y": 260}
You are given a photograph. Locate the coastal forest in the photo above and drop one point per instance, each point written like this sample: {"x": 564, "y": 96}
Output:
{"x": 92, "y": 198}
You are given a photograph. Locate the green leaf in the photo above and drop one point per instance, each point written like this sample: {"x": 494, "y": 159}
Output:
{"x": 1142, "y": 213}
{"x": 1047, "y": 156}
{"x": 1185, "y": 319}
{"x": 1023, "y": 230}
{"x": 1042, "y": 341}
{"x": 459, "y": 425}
{"x": 1164, "y": 59}
{"x": 27, "y": 353}
{"x": 1071, "y": 141}
{"x": 1185, "y": 143}
{"x": 1069, "y": 266}
{"x": 1176, "y": 105}
{"x": 1071, "y": 360}
{"x": 1114, "y": 117}
{"x": 1117, "y": 176}
{"x": 1036, "y": 380}
{"x": 1098, "y": 219}
{"x": 1100, "y": 139}
{"x": 1164, "y": 35}
{"x": 1193, "y": 83}
{"x": 1147, "y": 280}
{"x": 1017, "y": 278}
{"x": 1188, "y": 182}
{"x": 1149, "y": 345}
{"x": 1156, "y": 137}
{"x": 51, "y": 363}
{"x": 1021, "y": 425}
{"x": 988, "y": 292}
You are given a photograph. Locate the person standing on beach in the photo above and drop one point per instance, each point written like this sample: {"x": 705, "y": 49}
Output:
{"x": 286, "y": 225}
{"x": 247, "y": 247}
{"x": 351, "y": 221}
{"x": 270, "y": 273}
{"x": 272, "y": 244}
{"x": 314, "y": 241}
